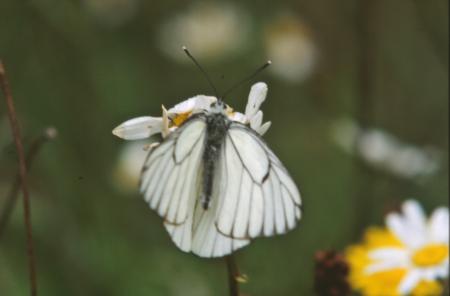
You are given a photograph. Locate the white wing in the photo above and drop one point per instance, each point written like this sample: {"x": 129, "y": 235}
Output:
{"x": 257, "y": 196}
{"x": 170, "y": 172}
{"x": 171, "y": 184}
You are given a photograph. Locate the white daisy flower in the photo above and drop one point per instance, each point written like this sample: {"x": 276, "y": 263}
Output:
{"x": 146, "y": 126}
{"x": 426, "y": 245}
{"x": 408, "y": 257}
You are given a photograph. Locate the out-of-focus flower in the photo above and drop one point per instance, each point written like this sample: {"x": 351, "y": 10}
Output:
{"x": 112, "y": 12}
{"x": 405, "y": 258}
{"x": 147, "y": 126}
{"x": 290, "y": 46}
{"x": 128, "y": 169}
{"x": 331, "y": 274}
{"x": 384, "y": 151}
{"x": 211, "y": 30}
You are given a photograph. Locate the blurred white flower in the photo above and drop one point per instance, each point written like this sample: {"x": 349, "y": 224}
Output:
{"x": 211, "y": 30}
{"x": 128, "y": 169}
{"x": 385, "y": 151}
{"x": 146, "y": 126}
{"x": 112, "y": 12}
{"x": 290, "y": 46}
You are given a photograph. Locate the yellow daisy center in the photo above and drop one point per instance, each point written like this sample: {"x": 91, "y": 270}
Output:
{"x": 180, "y": 118}
{"x": 384, "y": 282}
{"x": 430, "y": 255}
{"x": 427, "y": 288}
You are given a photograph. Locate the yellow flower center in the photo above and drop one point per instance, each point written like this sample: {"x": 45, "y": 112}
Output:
{"x": 380, "y": 237}
{"x": 180, "y": 118}
{"x": 427, "y": 288}
{"x": 430, "y": 255}
{"x": 383, "y": 282}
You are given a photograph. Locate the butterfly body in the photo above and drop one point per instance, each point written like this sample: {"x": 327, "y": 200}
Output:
{"x": 217, "y": 125}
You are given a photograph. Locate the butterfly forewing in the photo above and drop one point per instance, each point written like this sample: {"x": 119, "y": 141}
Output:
{"x": 171, "y": 171}
{"x": 260, "y": 198}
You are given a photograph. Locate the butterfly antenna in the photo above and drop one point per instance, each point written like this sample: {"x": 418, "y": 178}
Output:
{"x": 246, "y": 79}
{"x": 201, "y": 70}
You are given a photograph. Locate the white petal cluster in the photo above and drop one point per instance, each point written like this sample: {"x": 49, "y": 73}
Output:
{"x": 147, "y": 126}
{"x": 417, "y": 234}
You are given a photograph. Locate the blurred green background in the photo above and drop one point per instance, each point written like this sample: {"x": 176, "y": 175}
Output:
{"x": 83, "y": 67}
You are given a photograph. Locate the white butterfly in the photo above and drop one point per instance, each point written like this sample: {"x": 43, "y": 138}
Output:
{"x": 213, "y": 179}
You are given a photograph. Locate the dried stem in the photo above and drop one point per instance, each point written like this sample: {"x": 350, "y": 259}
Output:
{"x": 11, "y": 199}
{"x": 4, "y": 85}
{"x": 233, "y": 275}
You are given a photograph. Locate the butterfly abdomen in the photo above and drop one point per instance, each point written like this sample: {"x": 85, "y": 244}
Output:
{"x": 216, "y": 128}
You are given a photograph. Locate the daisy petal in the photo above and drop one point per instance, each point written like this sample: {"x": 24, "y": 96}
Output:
{"x": 256, "y": 97}
{"x": 393, "y": 254}
{"x": 183, "y": 107}
{"x": 194, "y": 105}
{"x": 383, "y": 266}
{"x": 239, "y": 117}
{"x": 256, "y": 120}
{"x": 387, "y": 258}
{"x": 397, "y": 226}
{"x": 414, "y": 215}
{"x": 139, "y": 128}
{"x": 165, "y": 122}
{"x": 264, "y": 128}
{"x": 409, "y": 282}
{"x": 442, "y": 271}
{"x": 438, "y": 225}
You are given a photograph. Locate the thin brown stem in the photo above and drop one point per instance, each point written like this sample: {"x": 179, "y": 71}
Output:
{"x": 4, "y": 85}
{"x": 11, "y": 198}
{"x": 233, "y": 275}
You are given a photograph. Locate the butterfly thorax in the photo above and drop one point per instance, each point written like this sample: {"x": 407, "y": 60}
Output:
{"x": 217, "y": 125}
